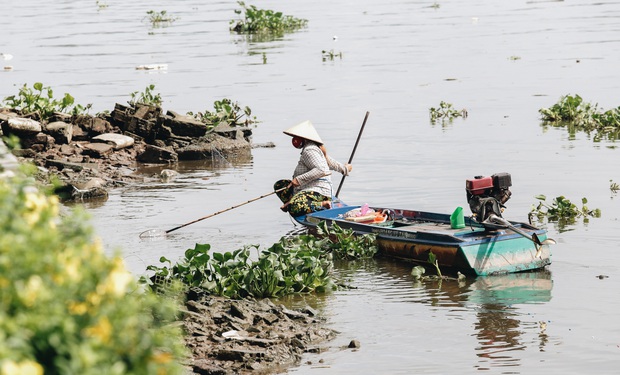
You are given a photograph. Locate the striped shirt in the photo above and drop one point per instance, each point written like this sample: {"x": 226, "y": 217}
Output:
{"x": 313, "y": 168}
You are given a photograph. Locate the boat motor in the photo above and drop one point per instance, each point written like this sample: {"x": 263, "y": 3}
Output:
{"x": 486, "y": 195}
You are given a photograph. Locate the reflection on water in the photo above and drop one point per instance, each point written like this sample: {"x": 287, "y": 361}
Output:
{"x": 497, "y": 304}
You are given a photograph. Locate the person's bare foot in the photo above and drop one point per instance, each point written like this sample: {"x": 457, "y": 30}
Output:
{"x": 284, "y": 207}
{"x": 326, "y": 204}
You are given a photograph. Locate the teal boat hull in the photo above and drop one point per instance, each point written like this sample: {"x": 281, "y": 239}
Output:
{"x": 476, "y": 249}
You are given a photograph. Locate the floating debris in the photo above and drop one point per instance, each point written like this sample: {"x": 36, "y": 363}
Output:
{"x": 152, "y": 67}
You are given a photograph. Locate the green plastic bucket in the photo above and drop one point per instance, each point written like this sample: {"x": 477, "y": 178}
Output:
{"x": 457, "y": 219}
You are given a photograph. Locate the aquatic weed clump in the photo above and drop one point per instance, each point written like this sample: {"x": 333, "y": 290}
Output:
{"x": 225, "y": 112}
{"x": 294, "y": 265}
{"x": 67, "y": 308}
{"x": 575, "y": 114}
{"x": 285, "y": 268}
{"x": 264, "y": 21}
{"x": 39, "y": 102}
{"x": 561, "y": 211}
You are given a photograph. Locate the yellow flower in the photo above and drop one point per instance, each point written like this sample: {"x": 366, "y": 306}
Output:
{"x": 23, "y": 368}
{"x": 117, "y": 281}
{"x": 161, "y": 357}
{"x": 78, "y": 308}
{"x": 102, "y": 330}
{"x": 93, "y": 298}
{"x": 69, "y": 268}
{"x": 31, "y": 291}
{"x": 35, "y": 203}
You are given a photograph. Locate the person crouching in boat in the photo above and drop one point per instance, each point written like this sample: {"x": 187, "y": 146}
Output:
{"x": 310, "y": 189}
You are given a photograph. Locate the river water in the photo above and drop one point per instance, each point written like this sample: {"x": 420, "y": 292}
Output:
{"x": 502, "y": 61}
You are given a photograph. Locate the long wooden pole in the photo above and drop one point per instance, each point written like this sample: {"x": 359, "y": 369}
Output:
{"x": 353, "y": 153}
{"x": 154, "y": 232}
{"x": 222, "y": 211}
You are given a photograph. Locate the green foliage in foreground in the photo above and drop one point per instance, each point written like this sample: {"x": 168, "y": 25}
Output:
{"x": 39, "y": 100}
{"x": 561, "y": 210}
{"x": 225, "y": 112}
{"x": 264, "y": 21}
{"x": 294, "y": 265}
{"x": 573, "y": 112}
{"x": 66, "y": 307}
{"x": 445, "y": 111}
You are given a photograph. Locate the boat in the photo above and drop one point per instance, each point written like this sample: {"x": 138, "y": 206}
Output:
{"x": 481, "y": 244}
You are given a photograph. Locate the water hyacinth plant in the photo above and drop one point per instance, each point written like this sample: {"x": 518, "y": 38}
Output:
{"x": 160, "y": 19}
{"x": 445, "y": 111}
{"x": 293, "y": 265}
{"x": 331, "y": 55}
{"x": 146, "y": 97}
{"x": 344, "y": 244}
{"x": 574, "y": 113}
{"x": 264, "y": 21}
{"x": 227, "y": 112}
{"x": 288, "y": 267}
{"x": 39, "y": 102}
{"x": 561, "y": 210}
{"x": 67, "y": 308}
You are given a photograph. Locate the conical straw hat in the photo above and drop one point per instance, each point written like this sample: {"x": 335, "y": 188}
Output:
{"x": 304, "y": 130}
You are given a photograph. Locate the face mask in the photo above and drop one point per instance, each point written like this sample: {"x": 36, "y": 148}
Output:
{"x": 298, "y": 142}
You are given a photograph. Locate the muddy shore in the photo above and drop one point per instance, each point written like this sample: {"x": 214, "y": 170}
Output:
{"x": 250, "y": 336}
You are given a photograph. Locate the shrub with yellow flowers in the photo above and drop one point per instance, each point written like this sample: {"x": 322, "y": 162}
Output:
{"x": 66, "y": 307}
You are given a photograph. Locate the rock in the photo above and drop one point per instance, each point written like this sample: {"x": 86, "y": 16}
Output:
{"x": 93, "y": 125}
{"x": 89, "y": 184}
{"x": 37, "y": 142}
{"x": 79, "y": 134}
{"x": 214, "y": 146}
{"x": 147, "y": 112}
{"x": 67, "y": 150}
{"x": 203, "y": 367}
{"x": 184, "y": 125}
{"x": 168, "y": 175}
{"x": 21, "y": 126}
{"x": 97, "y": 150}
{"x": 354, "y": 344}
{"x": 60, "y": 165}
{"x": 227, "y": 131}
{"x": 121, "y": 115}
{"x": 141, "y": 127}
{"x": 93, "y": 193}
{"x": 118, "y": 141}
{"x": 4, "y": 116}
{"x": 24, "y": 153}
{"x": 158, "y": 155}
{"x": 100, "y": 126}
{"x": 61, "y": 131}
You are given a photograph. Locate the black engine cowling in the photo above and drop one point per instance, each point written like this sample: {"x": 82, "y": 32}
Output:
{"x": 487, "y": 195}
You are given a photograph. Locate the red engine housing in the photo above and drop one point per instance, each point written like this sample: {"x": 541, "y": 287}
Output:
{"x": 487, "y": 195}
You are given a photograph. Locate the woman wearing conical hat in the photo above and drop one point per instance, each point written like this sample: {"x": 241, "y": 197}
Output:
{"x": 311, "y": 188}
